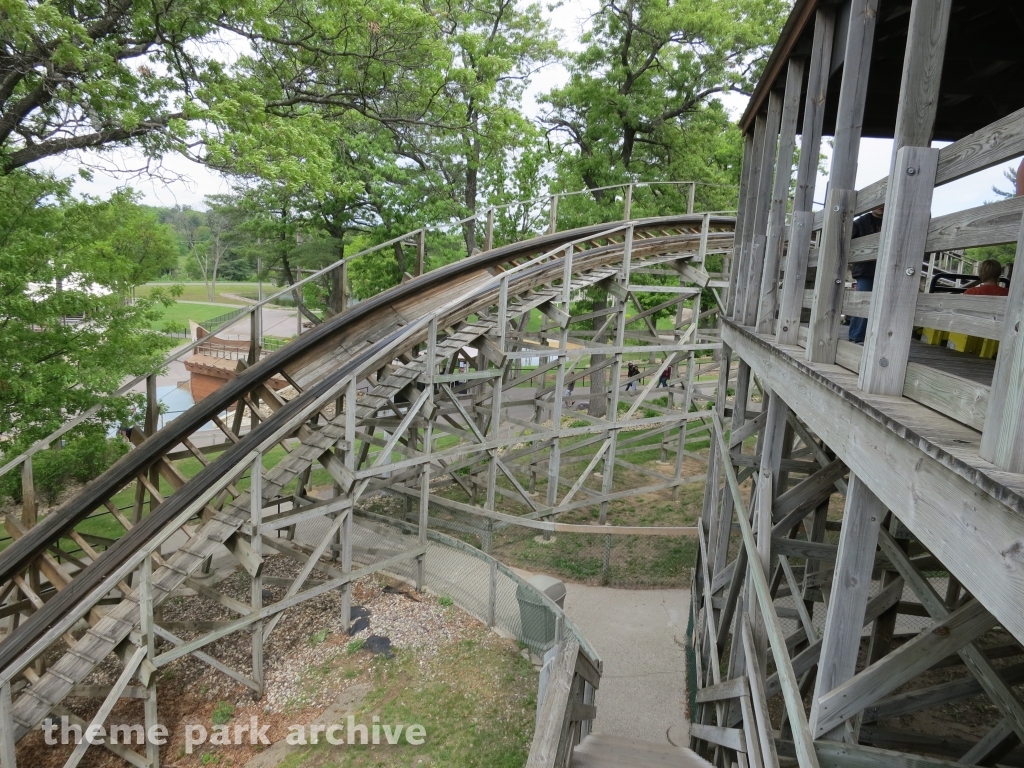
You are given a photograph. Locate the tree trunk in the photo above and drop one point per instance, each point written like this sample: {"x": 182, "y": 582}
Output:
{"x": 472, "y": 184}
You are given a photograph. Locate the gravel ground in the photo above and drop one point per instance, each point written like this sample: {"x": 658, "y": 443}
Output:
{"x": 302, "y": 675}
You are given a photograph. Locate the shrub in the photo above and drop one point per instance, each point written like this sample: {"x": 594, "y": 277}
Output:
{"x": 81, "y": 459}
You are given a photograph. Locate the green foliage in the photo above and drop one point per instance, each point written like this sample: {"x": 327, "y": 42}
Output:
{"x": 640, "y": 102}
{"x": 445, "y": 601}
{"x": 70, "y": 334}
{"x": 355, "y": 645}
{"x": 318, "y": 637}
{"x": 223, "y": 712}
{"x": 86, "y": 455}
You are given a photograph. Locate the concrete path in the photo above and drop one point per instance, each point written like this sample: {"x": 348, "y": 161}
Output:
{"x": 641, "y": 637}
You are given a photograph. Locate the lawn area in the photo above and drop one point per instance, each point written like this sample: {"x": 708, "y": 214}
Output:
{"x": 180, "y": 313}
{"x": 197, "y": 291}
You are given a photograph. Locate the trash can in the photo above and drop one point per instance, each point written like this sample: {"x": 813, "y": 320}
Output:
{"x": 537, "y": 619}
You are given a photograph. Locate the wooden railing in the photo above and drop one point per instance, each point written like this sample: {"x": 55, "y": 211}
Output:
{"x": 568, "y": 707}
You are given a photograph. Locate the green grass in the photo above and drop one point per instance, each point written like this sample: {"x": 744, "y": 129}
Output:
{"x": 476, "y": 701}
{"x": 180, "y": 313}
{"x": 197, "y": 291}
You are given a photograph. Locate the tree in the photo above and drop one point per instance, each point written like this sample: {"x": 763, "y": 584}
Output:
{"x": 68, "y": 330}
{"x": 641, "y": 105}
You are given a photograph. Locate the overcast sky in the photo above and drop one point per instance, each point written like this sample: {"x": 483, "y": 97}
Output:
{"x": 178, "y": 181}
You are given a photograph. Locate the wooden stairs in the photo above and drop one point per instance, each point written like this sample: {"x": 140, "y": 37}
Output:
{"x": 601, "y": 750}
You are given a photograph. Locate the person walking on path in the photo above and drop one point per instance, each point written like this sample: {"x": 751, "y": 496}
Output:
{"x": 664, "y": 377}
{"x": 632, "y": 371}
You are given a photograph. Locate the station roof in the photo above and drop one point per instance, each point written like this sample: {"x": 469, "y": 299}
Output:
{"x": 982, "y": 76}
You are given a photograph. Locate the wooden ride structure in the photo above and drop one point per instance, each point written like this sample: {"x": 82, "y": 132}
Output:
{"x": 860, "y": 546}
{"x": 380, "y": 394}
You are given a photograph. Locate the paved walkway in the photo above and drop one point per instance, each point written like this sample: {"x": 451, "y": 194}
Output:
{"x": 641, "y": 638}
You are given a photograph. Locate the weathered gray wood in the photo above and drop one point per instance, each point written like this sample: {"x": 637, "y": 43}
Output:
{"x": 979, "y": 664}
{"x": 743, "y": 248}
{"x": 769, "y": 287}
{"x": 992, "y": 224}
{"x": 732, "y": 738}
{"x": 807, "y": 172}
{"x": 551, "y": 719}
{"x": 728, "y": 689}
{"x": 790, "y": 688}
{"x": 955, "y": 396}
{"x": 853, "y": 93}
{"x": 974, "y": 315}
{"x": 823, "y": 331}
{"x": 959, "y": 628}
{"x": 837, "y": 755}
{"x": 897, "y": 278}
{"x": 908, "y": 472}
{"x": 741, "y": 215}
{"x": 758, "y": 701}
{"x": 936, "y": 695}
{"x": 1002, "y": 442}
{"x": 8, "y": 757}
{"x": 922, "y": 71}
{"x": 993, "y": 745}
{"x": 996, "y": 143}
{"x": 809, "y": 490}
{"x": 856, "y": 559}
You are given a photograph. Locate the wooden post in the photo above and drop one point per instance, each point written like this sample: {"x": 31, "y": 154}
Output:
{"x": 758, "y": 241}
{"x": 860, "y": 37}
{"x": 897, "y": 273}
{"x": 346, "y": 529}
{"x": 553, "y": 215}
{"x": 791, "y": 300}
{"x": 8, "y": 754}
{"x": 627, "y": 203}
{"x": 343, "y": 279}
{"x": 256, "y": 587}
{"x": 830, "y": 280}
{"x": 1002, "y": 441}
{"x": 555, "y": 457}
{"x": 424, "y": 518}
{"x": 769, "y": 292}
{"x": 28, "y": 494}
{"x": 421, "y": 251}
{"x": 922, "y": 71}
{"x": 748, "y": 162}
{"x": 856, "y": 557}
{"x": 691, "y": 194}
{"x": 255, "y": 335}
{"x": 742, "y": 245}
{"x": 489, "y": 231}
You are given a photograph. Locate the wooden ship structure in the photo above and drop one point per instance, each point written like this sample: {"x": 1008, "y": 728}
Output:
{"x": 859, "y": 594}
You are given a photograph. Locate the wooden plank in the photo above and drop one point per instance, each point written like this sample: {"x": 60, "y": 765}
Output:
{"x": 973, "y": 315}
{"x": 790, "y": 688}
{"x": 992, "y": 224}
{"x": 992, "y": 145}
{"x": 844, "y": 701}
{"x": 956, "y": 397}
{"x": 731, "y": 738}
{"x": 544, "y": 748}
{"x": 1002, "y": 442}
{"x": 855, "y": 560}
{"x": 897, "y": 282}
{"x": 860, "y": 37}
{"x": 922, "y": 72}
{"x": 823, "y": 331}
{"x": 741, "y": 214}
{"x": 769, "y": 287}
{"x": 987, "y": 675}
{"x": 809, "y": 490}
{"x": 758, "y": 701}
{"x": 742, "y": 249}
{"x": 747, "y": 314}
{"x": 728, "y": 689}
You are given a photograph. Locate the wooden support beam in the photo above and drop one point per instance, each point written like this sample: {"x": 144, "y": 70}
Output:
{"x": 856, "y": 559}
{"x": 897, "y": 279}
{"x": 1002, "y": 441}
{"x": 962, "y": 626}
{"x": 769, "y": 290}
{"x": 830, "y": 278}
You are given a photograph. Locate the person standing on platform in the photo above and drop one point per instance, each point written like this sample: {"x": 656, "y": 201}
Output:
{"x": 864, "y": 271}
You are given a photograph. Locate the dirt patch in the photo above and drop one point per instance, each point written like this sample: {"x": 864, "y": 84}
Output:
{"x": 312, "y": 670}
